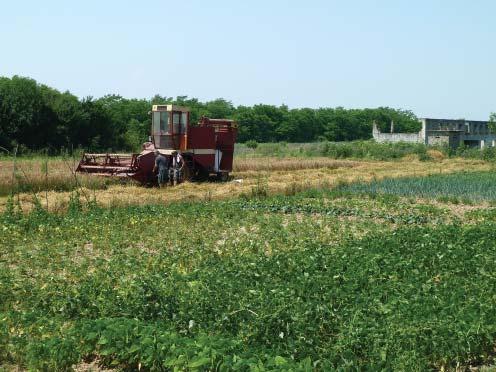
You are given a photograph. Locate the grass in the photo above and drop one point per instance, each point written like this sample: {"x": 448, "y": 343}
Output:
{"x": 458, "y": 187}
{"x": 318, "y": 280}
{"x": 271, "y": 164}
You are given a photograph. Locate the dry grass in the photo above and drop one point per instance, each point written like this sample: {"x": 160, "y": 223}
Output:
{"x": 57, "y": 174}
{"x": 287, "y": 164}
{"x": 45, "y": 174}
{"x": 277, "y": 175}
{"x": 436, "y": 154}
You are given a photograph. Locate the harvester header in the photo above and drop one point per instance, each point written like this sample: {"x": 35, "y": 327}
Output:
{"x": 207, "y": 148}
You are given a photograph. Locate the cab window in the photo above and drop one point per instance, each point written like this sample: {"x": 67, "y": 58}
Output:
{"x": 164, "y": 122}
{"x": 184, "y": 122}
{"x": 176, "y": 121}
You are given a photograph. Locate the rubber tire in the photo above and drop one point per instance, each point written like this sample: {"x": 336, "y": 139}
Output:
{"x": 223, "y": 176}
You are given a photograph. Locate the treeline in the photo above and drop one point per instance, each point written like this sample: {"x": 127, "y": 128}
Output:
{"x": 35, "y": 116}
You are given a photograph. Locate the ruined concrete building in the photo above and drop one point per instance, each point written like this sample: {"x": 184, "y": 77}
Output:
{"x": 452, "y": 133}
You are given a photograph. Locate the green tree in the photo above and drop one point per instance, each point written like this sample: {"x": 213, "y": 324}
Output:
{"x": 38, "y": 116}
{"x": 492, "y": 122}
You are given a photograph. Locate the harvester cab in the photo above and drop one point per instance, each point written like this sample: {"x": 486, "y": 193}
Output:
{"x": 207, "y": 148}
{"x": 170, "y": 126}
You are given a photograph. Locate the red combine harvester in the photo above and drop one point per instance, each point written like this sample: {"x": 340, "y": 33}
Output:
{"x": 207, "y": 148}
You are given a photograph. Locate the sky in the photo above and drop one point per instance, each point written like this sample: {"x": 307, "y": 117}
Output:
{"x": 434, "y": 57}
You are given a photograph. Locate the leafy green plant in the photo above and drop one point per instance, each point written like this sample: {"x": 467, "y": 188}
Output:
{"x": 318, "y": 280}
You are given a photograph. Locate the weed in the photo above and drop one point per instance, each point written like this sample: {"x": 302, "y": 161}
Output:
{"x": 293, "y": 188}
{"x": 261, "y": 188}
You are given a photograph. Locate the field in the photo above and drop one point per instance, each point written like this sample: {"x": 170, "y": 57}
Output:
{"x": 51, "y": 182}
{"x": 298, "y": 263}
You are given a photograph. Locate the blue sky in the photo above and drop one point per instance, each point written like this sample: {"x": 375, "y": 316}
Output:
{"x": 434, "y": 57}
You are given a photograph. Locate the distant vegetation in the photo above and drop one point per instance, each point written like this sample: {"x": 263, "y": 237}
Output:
{"x": 38, "y": 117}
{"x": 361, "y": 150}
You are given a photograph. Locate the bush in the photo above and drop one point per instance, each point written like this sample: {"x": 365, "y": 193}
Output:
{"x": 251, "y": 144}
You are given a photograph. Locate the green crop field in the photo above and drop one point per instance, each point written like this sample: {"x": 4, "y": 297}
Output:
{"x": 319, "y": 280}
{"x": 468, "y": 186}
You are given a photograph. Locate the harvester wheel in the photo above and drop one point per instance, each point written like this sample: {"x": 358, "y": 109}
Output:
{"x": 223, "y": 176}
{"x": 201, "y": 175}
{"x": 187, "y": 174}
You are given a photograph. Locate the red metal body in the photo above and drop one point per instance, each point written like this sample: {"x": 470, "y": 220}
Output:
{"x": 211, "y": 144}
{"x": 207, "y": 148}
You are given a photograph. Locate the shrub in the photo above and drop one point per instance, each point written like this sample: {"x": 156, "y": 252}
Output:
{"x": 252, "y": 144}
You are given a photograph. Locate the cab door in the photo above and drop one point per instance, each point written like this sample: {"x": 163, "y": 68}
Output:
{"x": 161, "y": 129}
{"x": 180, "y": 121}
